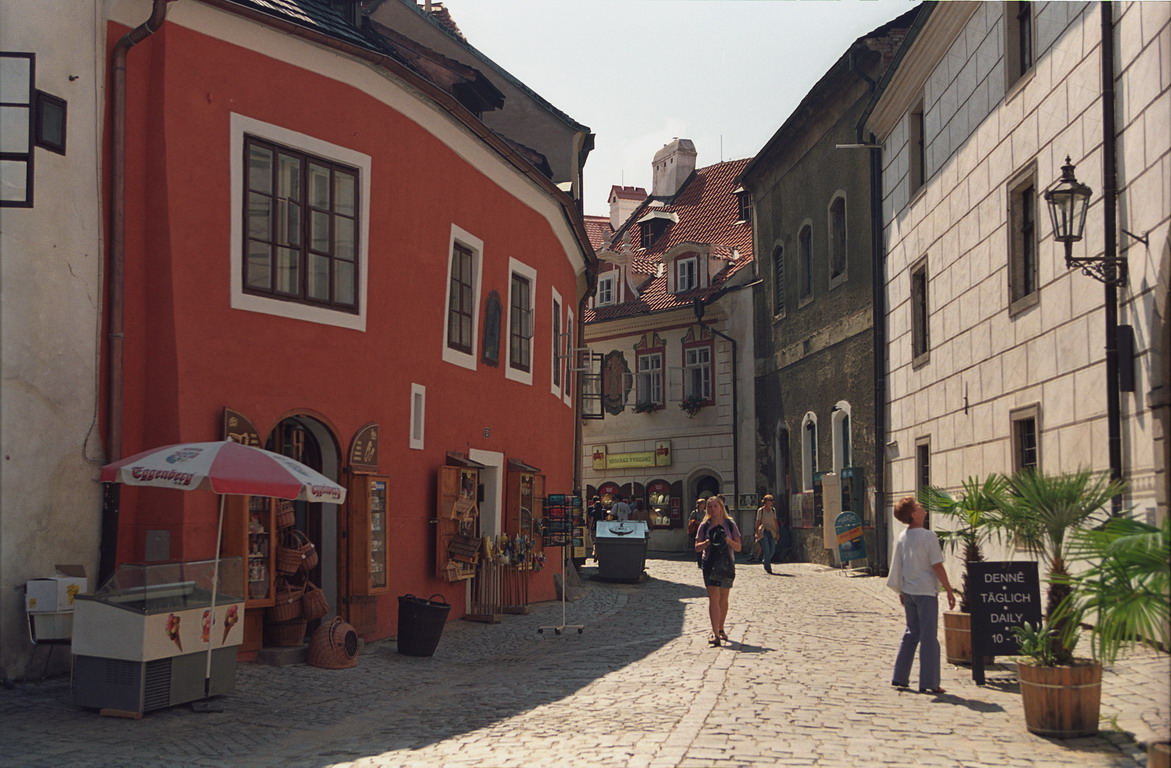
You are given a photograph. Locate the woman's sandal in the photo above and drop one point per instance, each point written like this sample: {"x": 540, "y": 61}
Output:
{"x": 932, "y": 691}
{"x": 723, "y": 635}
{"x": 713, "y": 641}
{"x": 899, "y": 685}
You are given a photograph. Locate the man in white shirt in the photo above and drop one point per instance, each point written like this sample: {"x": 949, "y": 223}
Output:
{"x": 620, "y": 509}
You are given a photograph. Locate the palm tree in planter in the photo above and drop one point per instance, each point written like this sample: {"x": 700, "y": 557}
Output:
{"x": 975, "y": 513}
{"x": 1125, "y": 593}
{"x": 1042, "y": 514}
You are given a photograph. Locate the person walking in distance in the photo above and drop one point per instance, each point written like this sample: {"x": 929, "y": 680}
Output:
{"x": 916, "y": 572}
{"x": 717, "y": 541}
{"x": 620, "y": 509}
{"x": 767, "y": 531}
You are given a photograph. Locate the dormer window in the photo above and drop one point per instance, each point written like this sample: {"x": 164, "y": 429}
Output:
{"x": 651, "y": 231}
{"x": 743, "y": 205}
{"x": 686, "y": 274}
{"x": 605, "y": 292}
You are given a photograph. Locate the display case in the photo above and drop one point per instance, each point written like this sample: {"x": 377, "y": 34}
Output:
{"x": 370, "y": 554}
{"x": 250, "y": 532}
{"x": 142, "y": 640}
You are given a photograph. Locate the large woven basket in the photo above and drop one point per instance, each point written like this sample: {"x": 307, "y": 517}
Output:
{"x": 334, "y": 646}
{"x": 286, "y": 514}
{"x": 313, "y": 602}
{"x": 287, "y": 603}
{"x": 285, "y": 634}
{"x": 295, "y": 553}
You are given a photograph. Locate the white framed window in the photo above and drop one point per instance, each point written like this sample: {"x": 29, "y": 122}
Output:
{"x": 557, "y": 341}
{"x": 522, "y": 286}
{"x": 570, "y": 360}
{"x": 686, "y": 274}
{"x": 837, "y": 239}
{"x": 1019, "y": 41}
{"x": 808, "y": 450}
{"x": 842, "y": 437}
{"x": 650, "y": 376}
{"x": 351, "y": 257}
{"x": 418, "y": 416}
{"x": 606, "y": 292}
{"x": 697, "y": 371}
{"x": 461, "y": 321}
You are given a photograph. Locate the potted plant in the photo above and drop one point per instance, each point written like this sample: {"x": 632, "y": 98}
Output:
{"x": 1042, "y": 513}
{"x": 644, "y": 406}
{"x": 693, "y": 404}
{"x": 975, "y": 515}
{"x": 1125, "y": 593}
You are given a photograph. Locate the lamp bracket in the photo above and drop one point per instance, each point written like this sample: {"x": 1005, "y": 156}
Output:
{"x": 1109, "y": 271}
{"x": 1145, "y": 239}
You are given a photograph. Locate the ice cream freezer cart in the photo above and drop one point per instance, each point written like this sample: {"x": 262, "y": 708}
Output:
{"x": 141, "y": 642}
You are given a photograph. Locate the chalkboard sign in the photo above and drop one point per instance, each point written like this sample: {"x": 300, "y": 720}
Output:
{"x": 1004, "y": 595}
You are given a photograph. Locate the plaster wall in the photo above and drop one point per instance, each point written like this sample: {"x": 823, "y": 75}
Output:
{"x": 51, "y": 278}
{"x": 986, "y": 360}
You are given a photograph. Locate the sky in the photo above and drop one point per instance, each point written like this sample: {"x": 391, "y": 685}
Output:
{"x": 639, "y": 73}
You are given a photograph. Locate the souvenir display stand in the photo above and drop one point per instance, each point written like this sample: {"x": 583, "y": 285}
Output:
{"x": 457, "y": 519}
{"x": 561, "y": 510}
{"x": 141, "y": 641}
{"x": 250, "y": 531}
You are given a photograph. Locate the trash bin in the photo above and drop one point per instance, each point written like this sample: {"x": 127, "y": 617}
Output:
{"x": 621, "y": 547}
{"x": 420, "y": 624}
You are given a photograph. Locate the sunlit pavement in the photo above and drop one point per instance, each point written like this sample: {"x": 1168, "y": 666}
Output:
{"x": 804, "y": 681}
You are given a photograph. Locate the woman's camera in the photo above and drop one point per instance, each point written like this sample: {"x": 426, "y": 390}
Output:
{"x": 717, "y": 537}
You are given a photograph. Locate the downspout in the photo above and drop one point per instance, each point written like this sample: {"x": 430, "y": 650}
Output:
{"x": 115, "y": 307}
{"x": 591, "y": 275}
{"x": 698, "y": 307}
{"x": 1109, "y": 213}
{"x": 878, "y": 322}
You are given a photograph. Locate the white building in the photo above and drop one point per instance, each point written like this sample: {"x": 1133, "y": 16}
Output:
{"x": 52, "y": 79}
{"x": 676, "y": 396}
{"x": 996, "y": 349}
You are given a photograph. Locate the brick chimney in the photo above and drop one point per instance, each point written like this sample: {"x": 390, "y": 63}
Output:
{"x": 623, "y": 201}
{"x": 672, "y": 165}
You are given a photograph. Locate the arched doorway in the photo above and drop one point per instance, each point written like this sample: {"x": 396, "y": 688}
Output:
{"x": 308, "y": 440}
{"x": 705, "y": 485}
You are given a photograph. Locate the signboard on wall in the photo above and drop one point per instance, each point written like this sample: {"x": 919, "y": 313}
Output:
{"x": 851, "y": 542}
{"x": 364, "y": 449}
{"x": 237, "y": 427}
{"x": 659, "y": 457}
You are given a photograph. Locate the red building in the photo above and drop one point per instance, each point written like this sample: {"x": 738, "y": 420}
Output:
{"x": 328, "y": 254}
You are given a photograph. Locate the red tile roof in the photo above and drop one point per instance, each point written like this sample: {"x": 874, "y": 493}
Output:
{"x": 708, "y": 213}
{"x": 599, "y": 230}
{"x": 627, "y": 193}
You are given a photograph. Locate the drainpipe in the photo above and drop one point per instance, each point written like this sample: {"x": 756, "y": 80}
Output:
{"x": 591, "y": 275}
{"x": 698, "y": 307}
{"x": 115, "y": 307}
{"x": 1109, "y": 213}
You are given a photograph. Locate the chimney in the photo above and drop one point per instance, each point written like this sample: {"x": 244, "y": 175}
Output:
{"x": 623, "y": 201}
{"x": 672, "y": 165}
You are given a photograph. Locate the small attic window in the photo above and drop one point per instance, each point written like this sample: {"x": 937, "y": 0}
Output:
{"x": 743, "y": 205}
{"x": 652, "y": 230}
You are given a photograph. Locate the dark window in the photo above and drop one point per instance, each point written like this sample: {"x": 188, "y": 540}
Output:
{"x": 837, "y": 233}
{"x": 686, "y": 278}
{"x": 50, "y": 122}
{"x": 743, "y": 206}
{"x": 1018, "y": 21}
{"x": 922, "y": 464}
{"x": 1024, "y": 438}
{"x": 1023, "y": 239}
{"x": 918, "y": 149}
{"x": 805, "y": 239}
{"x": 302, "y": 233}
{"x": 697, "y": 372}
{"x": 845, "y": 438}
{"x": 17, "y": 93}
{"x": 920, "y": 338}
{"x": 490, "y": 353}
{"x": 556, "y": 343}
{"x": 649, "y": 363}
{"x": 779, "y": 279}
{"x": 520, "y": 330}
{"x": 460, "y": 299}
{"x": 809, "y": 451}
{"x": 651, "y": 231}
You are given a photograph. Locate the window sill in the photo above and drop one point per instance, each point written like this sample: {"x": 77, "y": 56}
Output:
{"x": 1024, "y": 304}
{"x": 921, "y": 360}
{"x": 837, "y": 280}
{"x": 1011, "y": 90}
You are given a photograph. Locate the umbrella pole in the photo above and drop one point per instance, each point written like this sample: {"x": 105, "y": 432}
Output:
{"x": 215, "y": 588}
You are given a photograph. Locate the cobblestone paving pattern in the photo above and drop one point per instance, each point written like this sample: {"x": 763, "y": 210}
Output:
{"x": 804, "y": 682}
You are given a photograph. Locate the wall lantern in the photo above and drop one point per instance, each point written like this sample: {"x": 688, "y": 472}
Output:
{"x": 1068, "y": 201}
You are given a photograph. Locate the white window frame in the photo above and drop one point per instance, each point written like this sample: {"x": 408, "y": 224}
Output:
{"x": 843, "y": 275}
{"x": 557, "y": 345}
{"x": 708, "y": 367}
{"x": 650, "y": 379}
{"x": 476, "y": 245}
{"x": 692, "y": 262}
{"x": 418, "y": 417}
{"x": 568, "y": 373}
{"x": 808, "y": 450}
{"x": 520, "y": 269}
{"x": 239, "y": 126}
{"x": 606, "y": 296}
{"x": 842, "y": 412}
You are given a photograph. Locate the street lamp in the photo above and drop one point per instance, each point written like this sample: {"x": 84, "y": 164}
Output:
{"x": 1068, "y": 201}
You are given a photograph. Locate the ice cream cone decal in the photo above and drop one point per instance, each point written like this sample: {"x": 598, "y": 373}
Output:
{"x": 230, "y": 620}
{"x": 206, "y": 627}
{"x": 173, "y": 630}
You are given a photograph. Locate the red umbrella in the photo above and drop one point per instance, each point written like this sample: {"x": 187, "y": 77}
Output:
{"x": 225, "y": 467}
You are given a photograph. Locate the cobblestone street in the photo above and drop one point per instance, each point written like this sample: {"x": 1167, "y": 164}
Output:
{"x": 805, "y": 681}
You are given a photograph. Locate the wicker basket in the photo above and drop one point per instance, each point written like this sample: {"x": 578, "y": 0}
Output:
{"x": 285, "y": 634}
{"x": 334, "y": 646}
{"x": 313, "y": 602}
{"x": 286, "y": 515}
{"x": 295, "y": 553}
{"x": 287, "y": 605}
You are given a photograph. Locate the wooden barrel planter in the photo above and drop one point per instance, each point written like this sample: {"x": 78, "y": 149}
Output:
{"x": 1159, "y": 754}
{"x": 957, "y": 638}
{"x": 1061, "y": 702}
